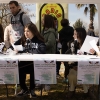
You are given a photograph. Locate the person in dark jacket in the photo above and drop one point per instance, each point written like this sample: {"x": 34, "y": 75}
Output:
{"x": 72, "y": 76}
{"x": 32, "y": 42}
{"x": 65, "y": 35}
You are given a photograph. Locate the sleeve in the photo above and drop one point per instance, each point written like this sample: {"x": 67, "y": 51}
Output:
{"x": 41, "y": 49}
{"x": 26, "y": 19}
{"x": 50, "y": 41}
{"x": 6, "y": 37}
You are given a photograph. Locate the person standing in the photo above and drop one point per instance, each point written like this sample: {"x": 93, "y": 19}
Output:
{"x": 65, "y": 35}
{"x": 18, "y": 20}
{"x": 49, "y": 35}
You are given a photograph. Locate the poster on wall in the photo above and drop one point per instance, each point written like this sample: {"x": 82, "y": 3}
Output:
{"x": 88, "y": 71}
{"x": 9, "y": 71}
{"x": 56, "y": 10}
{"x": 45, "y": 71}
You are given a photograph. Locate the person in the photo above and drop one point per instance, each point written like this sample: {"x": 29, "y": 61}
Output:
{"x": 49, "y": 35}
{"x": 1, "y": 34}
{"x": 80, "y": 33}
{"x": 91, "y": 30}
{"x": 16, "y": 24}
{"x": 36, "y": 45}
{"x": 57, "y": 45}
{"x": 65, "y": 35}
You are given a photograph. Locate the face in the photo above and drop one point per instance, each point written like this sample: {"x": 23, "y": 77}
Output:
{"x": 28, "y": 33}
{"x": 14, "y": 9}
{"x": 75, "y": 35}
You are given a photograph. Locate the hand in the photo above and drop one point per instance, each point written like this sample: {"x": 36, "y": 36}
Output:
{"x": 98, "y": 54}
{"x": 92, "y": 51}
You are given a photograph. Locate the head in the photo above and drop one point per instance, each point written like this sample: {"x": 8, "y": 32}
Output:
{"x": 64, "y": 22}
{"x": 31, "y": 30}
{"x": 81, "y": 35}
{"x": 14, "y": 7}
{"x": 48, "y": 21}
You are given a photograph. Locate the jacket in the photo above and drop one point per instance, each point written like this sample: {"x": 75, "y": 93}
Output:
{"x": 35, "y": 46}
{"x": 50, "y": 40}
{"x": 65, "y": 35}
{"x": 18, "y": 28}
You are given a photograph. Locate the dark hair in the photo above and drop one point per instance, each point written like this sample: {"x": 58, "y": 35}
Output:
{"x": 81, "y": 34}
{"x": 32, "y": 27}
{"x": 48, "y": 21}
{"x": 64, "y": 22}
{"x": 1, "y": 34}
{"x": 14, "y": 2}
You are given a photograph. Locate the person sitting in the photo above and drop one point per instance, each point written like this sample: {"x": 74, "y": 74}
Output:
{"x": 36, "y": 46}
{"x": 80, "y": 34}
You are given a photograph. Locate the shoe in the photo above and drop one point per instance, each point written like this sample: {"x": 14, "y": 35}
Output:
{"x": 23, "y": 93}
{"x": 32, "y": 93}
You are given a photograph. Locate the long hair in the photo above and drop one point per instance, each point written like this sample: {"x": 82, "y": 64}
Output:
{"x": 32, "y": 27}
{"x": 48, "y": 21}
{"x": 1, "y": 34}
{"x": 81, "y": 35}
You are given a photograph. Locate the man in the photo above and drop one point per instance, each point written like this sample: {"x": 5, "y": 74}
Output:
{"x": 17, "y": 25}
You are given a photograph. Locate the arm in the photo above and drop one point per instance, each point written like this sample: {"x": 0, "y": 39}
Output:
{"x": 41, "y": 49}
{"x": 50, "y": 41}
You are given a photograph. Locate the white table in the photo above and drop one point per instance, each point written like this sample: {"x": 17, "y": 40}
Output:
{"x": 57, "y": 57}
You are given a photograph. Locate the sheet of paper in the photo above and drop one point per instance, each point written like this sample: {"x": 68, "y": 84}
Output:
{"x": 18, "y": 47}
{"x": 94, "y": 46}
{"x": 86, "y": 45}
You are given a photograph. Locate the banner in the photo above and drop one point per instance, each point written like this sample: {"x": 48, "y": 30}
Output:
{"x": 88, "y": 71}
{"x": 9, "y": 71}
{"x": 45, "y": 71}
{"x": 55, "y": 10}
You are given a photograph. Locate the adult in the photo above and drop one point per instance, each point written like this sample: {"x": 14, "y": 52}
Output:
{"x": 16, "y": 22}
{"x": 31, "y": 38}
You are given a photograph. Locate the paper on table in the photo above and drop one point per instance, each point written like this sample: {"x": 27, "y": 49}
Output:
{"x": 94, "y": 46}
{"x": 86, "y": 45}
{"x": 17, "y": 47}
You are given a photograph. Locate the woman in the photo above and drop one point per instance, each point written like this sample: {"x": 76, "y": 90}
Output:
{"x": 49, "y": 35}
{"x": 1, "y": 34}
{"x": 33, "y": 42}
{"x": 80, "y": 33}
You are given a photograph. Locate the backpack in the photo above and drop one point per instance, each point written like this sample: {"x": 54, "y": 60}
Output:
{"x": 20, "y": 19}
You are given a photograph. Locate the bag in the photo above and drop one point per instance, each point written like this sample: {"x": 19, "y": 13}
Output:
{"x": 20, "y": 19}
